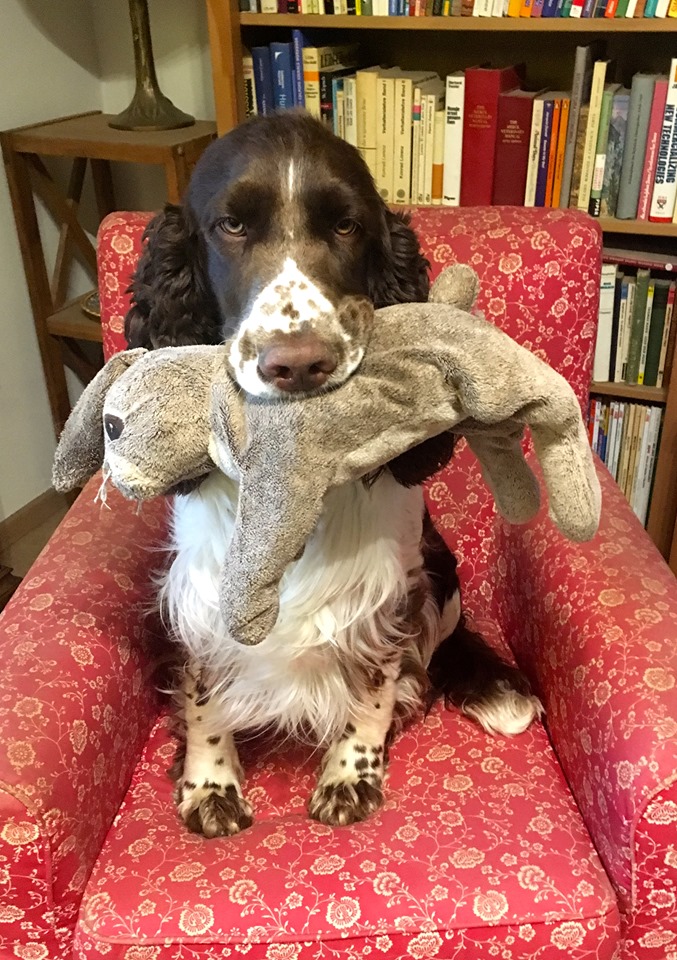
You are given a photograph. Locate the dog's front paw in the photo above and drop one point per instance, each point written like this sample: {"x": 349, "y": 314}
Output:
{"x": 341, "y": 803}
{"x": 213, "y": 810}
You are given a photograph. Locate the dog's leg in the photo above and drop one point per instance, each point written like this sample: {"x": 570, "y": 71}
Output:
{"x": 350, "y": 784}
{"x": 207, "y": 770}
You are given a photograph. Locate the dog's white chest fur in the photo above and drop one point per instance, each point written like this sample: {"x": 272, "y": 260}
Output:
{"x": 338, "y": 602}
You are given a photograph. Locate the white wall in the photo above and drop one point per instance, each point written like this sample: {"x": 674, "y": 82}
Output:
{"x": 48, "y": 68}
{"x": 59, "y": 57}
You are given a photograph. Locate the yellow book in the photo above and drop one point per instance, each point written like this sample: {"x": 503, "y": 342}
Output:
{"x": 672, "y": 9}
{"x": 515, "y": 6}
{"x": 525, "y": 8}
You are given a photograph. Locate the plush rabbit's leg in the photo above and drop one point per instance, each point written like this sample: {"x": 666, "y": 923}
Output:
{"x": 350, "y": 784}
{"x": 207, "y": 770}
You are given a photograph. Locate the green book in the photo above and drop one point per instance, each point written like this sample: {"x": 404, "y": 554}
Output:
{"x": 653, "y": 352}
{"x": 621, "y": 9}
{"x": 595, "y": 202}
{"x": 637, "y": 326}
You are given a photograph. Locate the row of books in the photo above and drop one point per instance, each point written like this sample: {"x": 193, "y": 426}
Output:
{"x": 627, "y": 436}
{"x": 610, "y": 9}
{"x": 637, "y": 323}
{"x": 477, "y": 137}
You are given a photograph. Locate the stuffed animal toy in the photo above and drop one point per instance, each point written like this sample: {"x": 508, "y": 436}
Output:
{"x": 158, "y": 419}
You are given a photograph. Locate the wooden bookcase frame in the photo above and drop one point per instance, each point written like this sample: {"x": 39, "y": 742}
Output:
{"x": 636, "y": 44}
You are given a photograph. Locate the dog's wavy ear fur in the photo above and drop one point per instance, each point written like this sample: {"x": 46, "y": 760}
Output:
{"x": 172, "y": 301}
{"x": 398, "y": 271}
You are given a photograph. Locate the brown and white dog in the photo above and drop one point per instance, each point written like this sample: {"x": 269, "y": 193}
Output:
{"x": 281, "y": 228}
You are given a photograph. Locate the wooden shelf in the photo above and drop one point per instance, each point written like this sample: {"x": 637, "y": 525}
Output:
{"x": 71, "y": 321}
{"x": 643, "y": 227}
{"x": 470, "y": 24}
{"x": 630, "y": 391}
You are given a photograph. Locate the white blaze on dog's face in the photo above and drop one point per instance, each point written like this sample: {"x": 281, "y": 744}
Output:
{"x": 294, "y": 340}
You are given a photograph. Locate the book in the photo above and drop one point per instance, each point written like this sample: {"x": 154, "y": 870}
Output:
{"x": 645, "y": 330}
{"x": 385, "y": 135}
{"x": 595, "y": 202}
{"x": 635, "y": 440}
{"x": 641, "y": 258}
{"x": 263, "y": 81}
{"x": 299, "y": 41}
{"x": 327, "y": 77}
{"x": 249, "y": 84}
{"x": 614, "y": 152}
{"x": 616, "y": 374}
{"x": 637, "y": 489}
{"x": 534, "y": 150}
{"x": 350, "y": 109}
{"x": 578, "y": 156}
{"x": 338, "y": 99}
{"x": 665, "y": 180}
{"x": 515, "y": 109}
{"x": 667, "y": 343}
{"x": 650, "y": 462}
{"x": 281, "y": 58}
{"x": 660, "y": 93}
{"x": 552, "y": 149}
{"x": 365, "y": 96}
{"x": 434, "y": 103}
{"x": 483, "y": 86}
{"x": 438, "y": 158}
{"x": 544, "y": 151}
{"x": 625, "y": 342}
{"x": 615, "y": 322}
{"x": 596, "y": 96}
{"x": 453, "y": 138}
{"x": 316, "y": 59}
{"x": 580, "y": 94}
{"x": 637, "y": 325}
{"x": 600, "y": 369}
{"x": 561, "y": 147}
{"x": 639, "y": 113}
{"x": 655, "y": 339}
{"x": 626, "y": 434}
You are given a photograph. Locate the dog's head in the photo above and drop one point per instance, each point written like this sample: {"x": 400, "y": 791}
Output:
{"x": 281, "y": 247}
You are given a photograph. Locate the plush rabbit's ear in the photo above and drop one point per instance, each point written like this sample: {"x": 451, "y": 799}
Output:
{"x": 80, "y": 450}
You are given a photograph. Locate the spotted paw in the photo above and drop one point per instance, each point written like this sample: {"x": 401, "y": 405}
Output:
{"x": 213, "y": 810}
{"x": 338, "y": 804}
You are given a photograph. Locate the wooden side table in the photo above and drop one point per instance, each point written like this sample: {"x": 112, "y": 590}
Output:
{"x": 87, "y": 139}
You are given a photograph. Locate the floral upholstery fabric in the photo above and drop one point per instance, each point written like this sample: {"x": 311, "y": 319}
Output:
{"x": 481, "y": 849}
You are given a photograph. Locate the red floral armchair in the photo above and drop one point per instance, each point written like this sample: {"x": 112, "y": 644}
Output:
{"x": 561, "y": 842}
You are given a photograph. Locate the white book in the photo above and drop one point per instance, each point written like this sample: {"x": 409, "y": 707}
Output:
{"x": 619, "y": 438}
{"x": 600, "y": 369}
{"x": 640, "y": 476}
{"x": 645, "y": 332}
{"x": 483, "y": 8}
{"x": 620, "y": 333}
{"x": 434, "y": 87}
{"x": 434, "y": 104}
{"x": 453, "y": 138}
{"x": 366, "y": 86}
{"x": 662, "y": 8}
{"x": 669, "y": 320}
{"x": 497, "y": 8}
{"x": 611, "y": 441}
{"x": 249, "y": 83}
{"x": 340, "y": 118}
{"x": 268, "y": 6}
{"x": 415, "y": 143}
{"x": 625, "y": 345}
{"x": 589, "y": 151}
{"x": 385, "y": 141}
{"x": 650, "y": 462}
{"x": 404, "y": 100}
{"x": 664, "y": 195}
{"x": 534, "y": 152}
{"x": 350, "y": 110}
{"x": 632, "y": 6}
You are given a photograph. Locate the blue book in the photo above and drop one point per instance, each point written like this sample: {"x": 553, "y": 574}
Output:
{"x": 549, "y": 8}
{"x": 650, "y": 8}
{"x": 588, "y": 7}
{"x": 298, "y": 43}
{"x": 263, "y": 81}
{"x": 544, "y": 153}
{"x": 281, "y": 71}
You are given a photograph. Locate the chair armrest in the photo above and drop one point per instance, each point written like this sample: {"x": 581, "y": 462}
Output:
{"x": 118, "y": 248}
{"x": 595, "y": 625}
{"x": 76, "y": 707}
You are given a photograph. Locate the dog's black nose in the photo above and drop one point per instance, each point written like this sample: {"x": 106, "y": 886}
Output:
{"x": 297, "y": 363}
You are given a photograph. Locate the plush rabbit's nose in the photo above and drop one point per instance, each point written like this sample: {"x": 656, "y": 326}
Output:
{"x": 113, "y": 426}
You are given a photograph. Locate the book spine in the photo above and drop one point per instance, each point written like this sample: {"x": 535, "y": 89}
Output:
{"x": 625, "y": 345}
{"x": 665, "y": 179}
{"x": 366, "y": 117}
{"x": 596, "y": 96}
{"x": 262, "y": 80}
{"x": 544, "y": 153}
{"x": 311, "y": 80}
{"x": 549, "y": 8}
{"x": 350, "y": 110}
{"x": 269, "y": 6}
{"x": 657, "y": 323}
{"x": 667, "y": 328}
{"x": 512, "y": 149}
{"x": 438, "y": 159}
{"x": 552, "y": 152}
{"x": 420, "y": 182}
{"x": 534, "y": 149}
{"x": 660, "y": 94}
{"x": 415, "y": 143}
{"x": 339, "y": 112}
{"x": 431, "y": 110}
{"x": 642, "y": 450}
{"x": 637, "y": 329}
{"x": 645, "y": 331}
{"x": 384, "y": 136}
{"x": 578, "y": 156}
{"x": 453, "y": 139}
{"x": 615, "y": 324}
{"x": 600, "y": 370}
{"x": 614, "y": 158}
{"x": 561, "y": 147}
{"x": 281, "y": 70}
{"x": 579, "y": 92}
{"x": 639, "y": 115}
{"x": 249, "y": 84}
{"x": 299, "y": 91}
{"x": 402, "y": 141}
{"x": 620, "y": 337}
{"x": 595, "y": 204}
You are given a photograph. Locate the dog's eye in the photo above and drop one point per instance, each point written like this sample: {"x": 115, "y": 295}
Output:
{"x": 231, "y": 226}
{"x": 345, "y": 227}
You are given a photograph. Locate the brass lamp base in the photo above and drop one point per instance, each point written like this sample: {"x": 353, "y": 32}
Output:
{"x": 151, "y": 110}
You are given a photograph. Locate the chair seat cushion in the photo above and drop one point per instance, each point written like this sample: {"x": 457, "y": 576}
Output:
{"x": 479, "y": 843}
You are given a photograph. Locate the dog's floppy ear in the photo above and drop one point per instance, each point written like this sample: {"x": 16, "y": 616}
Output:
{"x": 80, "y": 450}
{"x": 172, "y": 301}
{"x": 398, "y": 272}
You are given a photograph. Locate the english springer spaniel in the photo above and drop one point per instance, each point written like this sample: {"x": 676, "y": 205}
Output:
{"x": 281, "y": 228}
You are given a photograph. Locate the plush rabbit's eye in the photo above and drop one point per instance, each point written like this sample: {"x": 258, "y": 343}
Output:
{"x": 113, "y": 426}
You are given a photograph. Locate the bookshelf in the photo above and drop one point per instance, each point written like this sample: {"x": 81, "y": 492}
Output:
{"x": 548, "y": 46}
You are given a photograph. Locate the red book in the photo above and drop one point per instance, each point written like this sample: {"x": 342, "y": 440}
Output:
{"x": 660, "y": 95}
{"x": 483, "y": 87}
{"x": 611, "y": 8}
{"x": 512, "y": 146}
